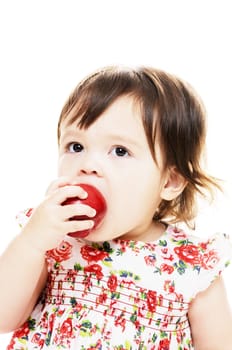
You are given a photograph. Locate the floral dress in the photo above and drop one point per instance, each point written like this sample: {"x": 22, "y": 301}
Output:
{"x": 122, "y": 294}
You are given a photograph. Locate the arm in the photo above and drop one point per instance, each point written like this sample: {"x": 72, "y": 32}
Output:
{"x": 22, "y": 276}
{"x": 211, "y": 319}
{"x": 23, "y": 270}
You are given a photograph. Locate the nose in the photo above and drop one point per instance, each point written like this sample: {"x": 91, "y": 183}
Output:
{"x": 90, "y": 165}
{"x": 88, "y": 171}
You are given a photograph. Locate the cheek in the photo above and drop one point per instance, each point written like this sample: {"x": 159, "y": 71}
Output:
{"x": 60, "y": 167}
{"x": 64, "y": 167}
{"x": 141, "y": 194}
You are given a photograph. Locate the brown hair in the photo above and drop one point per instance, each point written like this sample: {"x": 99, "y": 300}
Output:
{"x": 170, "y": 108}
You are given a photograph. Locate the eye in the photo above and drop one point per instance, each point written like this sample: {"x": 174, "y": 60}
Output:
{"x": 120, "y": 151}
{"x": 74, "y": 147}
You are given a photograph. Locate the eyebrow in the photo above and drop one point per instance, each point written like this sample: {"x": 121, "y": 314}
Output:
{"x": 118, "y": 138}
{"x": 68, "y": 134}
{"x": 124, "y": 139}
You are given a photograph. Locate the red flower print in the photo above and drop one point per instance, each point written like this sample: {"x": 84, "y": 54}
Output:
{"x": 120, "y": 321}
{"x": 169, "y": 286}
{"x": 92, "y": 254}
{"x": 167, "y": 268}
{"x": 209, "y": 260}
{"x": 112, "y": 283}
{"x": 150, "y": 260}
{"x": 179, "y": 234}
{"x": 37, "y": 340}
{"x": 44, "y": 320}
{"x": 101, "y": 299}
{"x": 188, "y": 253}
{"x": 66, "y": 329}
{"x": 164, "y": 344}
{"x": 63, "y": 252}
{"x": 151, "y": 300}
{"x": 51, "y": 321}
{"x": 204, "y": 245}
{"x": 11, "y": 345}
{"x": 169, "y": 257}
{"x": 23, "y": 331}
{"x": 29, "y": 212}
{"x": 97, "y": 346}
{"x": 60, "y": 312}
{"x": 96, "y": 269}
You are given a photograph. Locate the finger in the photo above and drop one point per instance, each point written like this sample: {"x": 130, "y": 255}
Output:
{"x": 61, "y": 182}
{"x": 78, "y": 225}
{"x": 65, "y": 192}
{"x": 78, "y": 209}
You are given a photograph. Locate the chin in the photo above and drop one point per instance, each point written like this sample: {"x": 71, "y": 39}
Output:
{"x": 100, "y": 235}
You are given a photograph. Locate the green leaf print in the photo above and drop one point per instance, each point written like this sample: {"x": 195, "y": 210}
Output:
{"x": 56, "y": 265}
{"x": 124, "y": 273}
{"x": 85, "y": 329}
{"x": 119, "y": 252}
{"x": 115, "y": 295}
{"x": 77, "y": 267}
{"x": 163, "y": 335}
{"x": 73, "y": 301}
{"x": 197, "y": 268}
{"x": 180, "y": 267}
{"x": 154, "y": 337}
{"x": 183, "y": 242}
{"x": 107, "y": 263}
{"x": 48, "y": 338}
{"x": 142, "y": 346}
{"x": 157, "y": 270}
{"x": 127, "y": 346}
{"x": 107, "y": 248}
{"x": 31, "y": 323}
{"x": 143, "y": 295}
{"x": 134, "y": 317}
{"x": 163, "y": 243}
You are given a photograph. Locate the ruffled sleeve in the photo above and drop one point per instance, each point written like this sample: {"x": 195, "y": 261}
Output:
{"x": 215, "y": 257}
{"x": 23, "y": 216}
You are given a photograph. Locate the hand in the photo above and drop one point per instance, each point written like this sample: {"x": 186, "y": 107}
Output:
{"x": 49, "y": 222}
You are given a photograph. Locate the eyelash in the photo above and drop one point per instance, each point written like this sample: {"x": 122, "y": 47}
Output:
{"x": 121, "y": 149}
{"x": 116, "y": 150}
{"x": 69, "y": 145}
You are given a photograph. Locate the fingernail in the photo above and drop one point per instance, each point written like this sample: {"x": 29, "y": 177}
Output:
{"x": 91, "y": 224}
{"x": 93, "y": 213}
{"x": 84, "y": 195}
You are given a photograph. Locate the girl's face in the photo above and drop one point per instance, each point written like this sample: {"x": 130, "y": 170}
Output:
{"x": 113, "y": 155}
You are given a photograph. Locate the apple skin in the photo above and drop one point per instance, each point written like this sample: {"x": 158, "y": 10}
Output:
{"x": 95, "y": 200}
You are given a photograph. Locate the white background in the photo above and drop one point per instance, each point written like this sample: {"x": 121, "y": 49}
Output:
{"x": 47, "y": 46}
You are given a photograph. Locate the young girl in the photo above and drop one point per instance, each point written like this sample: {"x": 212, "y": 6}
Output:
{"x": 137, "y": 280}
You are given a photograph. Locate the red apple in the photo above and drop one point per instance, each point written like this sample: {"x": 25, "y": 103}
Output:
{"x": 95, "y": 200}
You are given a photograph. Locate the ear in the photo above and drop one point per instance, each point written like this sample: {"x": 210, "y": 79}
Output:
{"x": 174, "y": 184}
